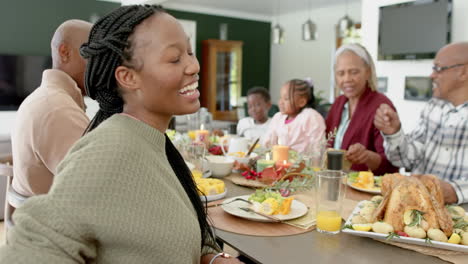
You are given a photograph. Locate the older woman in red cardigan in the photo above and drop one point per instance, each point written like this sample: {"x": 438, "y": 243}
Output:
{"x": 352, "y": 114}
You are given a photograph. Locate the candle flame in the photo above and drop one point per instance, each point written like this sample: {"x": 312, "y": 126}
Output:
{"x": 267, "y": 156}
{"x": 284, "y": 162}
{"x": 202, "y": 127}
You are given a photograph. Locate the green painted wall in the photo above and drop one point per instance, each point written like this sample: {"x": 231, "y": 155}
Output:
{"x": 256, "y": 48}
{"x": 27, "y": 26}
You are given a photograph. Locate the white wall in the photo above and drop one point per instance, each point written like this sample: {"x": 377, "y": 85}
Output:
{"x": 296, "y": 58}
{"x": 397, "y": 70}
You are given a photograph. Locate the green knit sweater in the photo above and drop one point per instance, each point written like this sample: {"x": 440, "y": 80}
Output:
{"x": 115, "y": 199}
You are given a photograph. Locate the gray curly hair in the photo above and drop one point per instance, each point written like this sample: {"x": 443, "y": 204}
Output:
{"x": 361, "y": 52}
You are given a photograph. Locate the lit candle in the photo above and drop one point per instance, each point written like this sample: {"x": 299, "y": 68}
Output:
{"x": 191, "y": 134}
{"x": 265, "y": 163}
{"x": 280, "y": 153}
{"x": 202, "y": 135}
{"x": 283, "y": 163}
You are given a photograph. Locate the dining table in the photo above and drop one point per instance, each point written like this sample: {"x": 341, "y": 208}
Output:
{"x": 315, "y": 247}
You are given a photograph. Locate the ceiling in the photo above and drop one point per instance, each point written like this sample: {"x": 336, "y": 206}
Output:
{"x": 262, "y": 9}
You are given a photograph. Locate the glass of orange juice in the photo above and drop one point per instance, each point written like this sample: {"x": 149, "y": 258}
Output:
{"x": 330, "y": 192}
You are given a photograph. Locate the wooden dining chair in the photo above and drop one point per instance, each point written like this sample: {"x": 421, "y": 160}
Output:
{"x": 13, "y": 199}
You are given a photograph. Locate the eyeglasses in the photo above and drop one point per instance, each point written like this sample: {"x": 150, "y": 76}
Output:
{"x": 440, "y": 69}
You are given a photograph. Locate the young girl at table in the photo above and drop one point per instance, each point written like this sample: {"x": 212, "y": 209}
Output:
{"x": 255, "y": 125}
{"x": 297, "y": 125}
{"x": 123, "y": 194}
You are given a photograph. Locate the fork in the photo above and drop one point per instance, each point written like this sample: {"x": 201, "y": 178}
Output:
{"x": 270, "y": 217}
{"x": 233, "y": 200}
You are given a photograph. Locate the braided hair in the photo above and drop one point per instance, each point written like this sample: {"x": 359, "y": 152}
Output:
{"x": 302, "y": 88}
{"x": 109, "y": 46}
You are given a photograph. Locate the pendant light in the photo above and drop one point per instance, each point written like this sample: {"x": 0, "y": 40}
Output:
{"x": 277, "y": 32}
{"x": 344, "y": 24}
{"x": 309, "y": 28}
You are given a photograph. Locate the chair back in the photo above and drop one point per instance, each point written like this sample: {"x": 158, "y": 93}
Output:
{"x": 13, "y": 199}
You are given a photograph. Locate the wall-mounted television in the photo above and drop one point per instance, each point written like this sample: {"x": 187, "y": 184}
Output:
{"x": 414, "y": 30}
{"x": 20, "y": 75}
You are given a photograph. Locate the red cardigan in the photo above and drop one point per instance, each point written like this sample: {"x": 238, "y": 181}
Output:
{"x": 361, "y": 128}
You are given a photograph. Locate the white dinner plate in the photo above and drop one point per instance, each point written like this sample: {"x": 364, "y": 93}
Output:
{"x": 408, "y": 240}
{"x": 298, "y": 209}
{"x": 215, "y": 197}
{"x": 373, "y": 191}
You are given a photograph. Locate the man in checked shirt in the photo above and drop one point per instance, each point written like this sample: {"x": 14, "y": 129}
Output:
{"x": 439, "y": 143}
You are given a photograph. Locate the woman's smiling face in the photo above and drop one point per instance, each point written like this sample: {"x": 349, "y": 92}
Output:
{"x": 167, "y": 75}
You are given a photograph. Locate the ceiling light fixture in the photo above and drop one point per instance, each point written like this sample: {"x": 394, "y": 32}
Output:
{"x": 309, "y": 28}
{"x": 344, "y": 24}
{"x": 277, "y": 32}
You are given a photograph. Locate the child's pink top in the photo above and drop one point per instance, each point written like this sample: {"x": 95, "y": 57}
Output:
{"x": 302, "y": 134}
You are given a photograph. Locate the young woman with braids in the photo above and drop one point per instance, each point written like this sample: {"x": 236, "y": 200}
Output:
{"x": 123, "y": 194}
{"x": 297, "y": 125}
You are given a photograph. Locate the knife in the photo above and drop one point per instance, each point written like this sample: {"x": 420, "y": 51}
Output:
{"x": 274, "y": 219}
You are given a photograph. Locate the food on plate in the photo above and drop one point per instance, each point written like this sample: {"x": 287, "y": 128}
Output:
{"x": 209, "y": 186}
{"x": 437, "y": 235}
{"x": 358, "y": 219}
{"x": 455, "y": 239}
{"x": 377, "y": 199}
{"x": 382, "y": 228}
{"x": 464, "y": 239}
{"x": 412, "y": 207}
{"x": 367, "y": 210}
{"x": 362, "y": 227}
{"x": 365, "y": 180}
{"x": 457, "y": 212}
{"x": 270, "y": 202}
{"x": 197, "y": 174}
{"x": 215, "y": 150}
{"x": 239, "y": 154}
{"x": 423, "y": 196}
{"x": 415, "y": 231}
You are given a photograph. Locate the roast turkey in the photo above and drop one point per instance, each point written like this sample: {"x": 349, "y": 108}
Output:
{"x": 422, "y": 193}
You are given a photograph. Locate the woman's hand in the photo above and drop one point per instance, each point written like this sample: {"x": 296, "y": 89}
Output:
{"x": 205, "y": 259}
{"x": 358, "y": 154}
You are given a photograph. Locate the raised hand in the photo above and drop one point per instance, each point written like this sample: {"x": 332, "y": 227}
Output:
{"x": 387, "y": 120}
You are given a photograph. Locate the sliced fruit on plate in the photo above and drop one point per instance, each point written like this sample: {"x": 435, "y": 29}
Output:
{"x": 362, "y": 227}
{"x": 365, "y": 180}
{"x": 209, "y": 186}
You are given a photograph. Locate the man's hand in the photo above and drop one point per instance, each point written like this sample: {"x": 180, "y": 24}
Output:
{"x": 387, "y": 120}
{"x": 450, "y": 196}
{"x": 357, "y": 154}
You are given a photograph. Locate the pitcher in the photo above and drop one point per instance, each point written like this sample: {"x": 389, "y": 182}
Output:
{"x": 236, "y": 144}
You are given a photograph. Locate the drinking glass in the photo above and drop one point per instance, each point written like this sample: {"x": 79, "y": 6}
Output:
{"x": 330, "y": 192}
{"x": 195, "y": 154}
